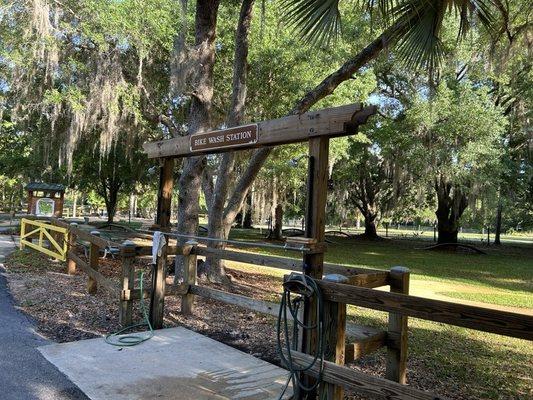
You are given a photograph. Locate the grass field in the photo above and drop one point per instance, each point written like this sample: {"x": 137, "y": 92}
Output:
{"x": 482, "y": 364}
{"x": 503, "y": 277}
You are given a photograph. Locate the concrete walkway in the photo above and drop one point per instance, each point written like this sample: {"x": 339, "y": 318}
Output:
{"x": 24, "y": 373}
{"x": 176, "y": 364}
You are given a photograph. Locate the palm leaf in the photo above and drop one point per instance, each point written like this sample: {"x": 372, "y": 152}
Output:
{"x": 316, "y": 21}
{"x": 420, "y": 23}
{"x": 416, "y": 24}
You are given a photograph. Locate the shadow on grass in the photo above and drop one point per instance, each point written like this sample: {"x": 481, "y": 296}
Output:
{"x": 461, "y": 363}
{"x": 505, "y": 268}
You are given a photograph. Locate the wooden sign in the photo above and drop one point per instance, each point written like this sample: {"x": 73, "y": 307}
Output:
{"x": 330, "y": 122}
{"x": 233, "y": 137}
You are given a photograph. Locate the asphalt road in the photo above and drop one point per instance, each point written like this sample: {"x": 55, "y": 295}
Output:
{"x": 24, "y": 373}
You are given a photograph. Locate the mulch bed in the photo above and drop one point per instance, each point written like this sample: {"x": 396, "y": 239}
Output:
{"x": 64, "y": 311}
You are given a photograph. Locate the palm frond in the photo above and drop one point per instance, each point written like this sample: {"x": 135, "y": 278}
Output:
{"x": 316, "y": 21}
{"x": 419, "y": 25}
{"x": 415, "y": 25}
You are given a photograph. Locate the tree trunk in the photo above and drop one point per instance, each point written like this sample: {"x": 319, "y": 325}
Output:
{"x": 111, "y": 200}
{"x": 370, "y": 225}
{"x": 451, "y": 204}
{"x": 326, "y": 87}
{"x": 248, "y": 219}
{"x": 497, "y": 234}
{"x": 218, "y": 226}
{"x": 199, "y": 119}
{"x": 278, "y": 223}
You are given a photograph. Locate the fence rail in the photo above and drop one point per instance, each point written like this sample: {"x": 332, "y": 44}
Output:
{"x": 358, "y": 291}
{"x": 32, "y": 229}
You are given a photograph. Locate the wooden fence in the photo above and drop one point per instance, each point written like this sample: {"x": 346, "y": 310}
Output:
{"x": 358, "y": 291}
{"x": 55, "y": 236}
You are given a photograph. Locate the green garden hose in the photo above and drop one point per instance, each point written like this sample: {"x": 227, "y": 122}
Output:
{"x": 134, "y": 339}
{"x": 304, "y": 287}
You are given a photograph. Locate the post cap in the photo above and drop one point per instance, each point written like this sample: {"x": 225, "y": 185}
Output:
{"x": 337, "y": 278}
{"x": 400, "y": 269}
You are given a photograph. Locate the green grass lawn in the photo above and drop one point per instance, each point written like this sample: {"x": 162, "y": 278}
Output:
{"x": 466, "y": 361}
{"x": 504, "y": 276}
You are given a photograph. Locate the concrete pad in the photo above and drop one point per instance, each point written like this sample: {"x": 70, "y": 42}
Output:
{"x": 175, "y": 364}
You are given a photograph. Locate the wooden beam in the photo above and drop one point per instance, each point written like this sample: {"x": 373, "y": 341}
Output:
{"x": 363, "y": 341}
{"x": 71, "y": 265}
{"x": 290, "y": 264}
{"x": 127, "y": 253}
{"x": 478, "y": 318}
{"x": 92, "y": 285}
{"x": 135, "y": 294}
{"x": 370, "y": 280}
{"x": 328, "y": 122}
{"x": 260, "y": 306}
{"x": 189, "y": 275}
{"x": 397, "y": 352}
{"x": 101, "y": 279}
{"x": 361, "y": 382}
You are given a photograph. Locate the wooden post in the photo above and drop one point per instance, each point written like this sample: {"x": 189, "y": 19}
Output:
{"x": 189, "y": 275}
{"x": 157, "y": 304}
{"x": 314, "y": 259}
{"x": 94, "y": 255}
{"x": 334, "y": 345}
{"x": 164, "y": 201}
{"x": 127, "y": 253}
{"x": 397, "y": 333}
{"x": 22, "y": 233}
{"x": 71, "y": 264}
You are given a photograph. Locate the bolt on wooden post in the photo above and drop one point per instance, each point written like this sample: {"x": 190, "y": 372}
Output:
{"x": 71, "y": 264}
{"x": 127, "y": 253}
{"x": 397, "y": 331}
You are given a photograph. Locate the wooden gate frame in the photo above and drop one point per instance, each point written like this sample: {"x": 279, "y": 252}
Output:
{"x": 42, "y": 229}
{"x": 316, "y": 127}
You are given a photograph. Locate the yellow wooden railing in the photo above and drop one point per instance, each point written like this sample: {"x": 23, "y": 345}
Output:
{"x": 29, "y": 229}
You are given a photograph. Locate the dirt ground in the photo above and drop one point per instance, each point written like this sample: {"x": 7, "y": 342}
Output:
{"x": 64, "y": 311}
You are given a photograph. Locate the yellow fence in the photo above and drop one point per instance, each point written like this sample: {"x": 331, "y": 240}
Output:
{"x": 30, "y": 230}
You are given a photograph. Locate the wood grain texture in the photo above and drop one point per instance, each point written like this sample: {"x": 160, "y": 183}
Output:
{"x": 135, "y": 294}
{"x": 71, "y": 264}
{"x": 261, "y": 306}
{"x": 370, "y": 280}
{"x": 128, "y": 281}
{"x": 364, "y": 343}
{"x": 94, "y": 255}
{"x": 96, "y": 275}
{"x": 478, "y": 318}
{"x": 361, "y": 382}
{"x": 396, "y": 369}
{"x": 328, "y": 122}
{"x": 251, "y": 258}
{"x": 157, "y": 304}
{"x": 189, "y": 275}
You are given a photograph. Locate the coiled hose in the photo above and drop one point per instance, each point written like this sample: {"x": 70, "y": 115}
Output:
{"x": 137, "y": 338}
{"x": 291, "y": 343}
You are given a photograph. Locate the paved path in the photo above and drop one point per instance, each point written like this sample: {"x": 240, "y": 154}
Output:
{"x": 24, "y": 373}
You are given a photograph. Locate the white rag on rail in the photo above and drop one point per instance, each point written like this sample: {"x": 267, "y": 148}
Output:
{"x": 157, "y": 244}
